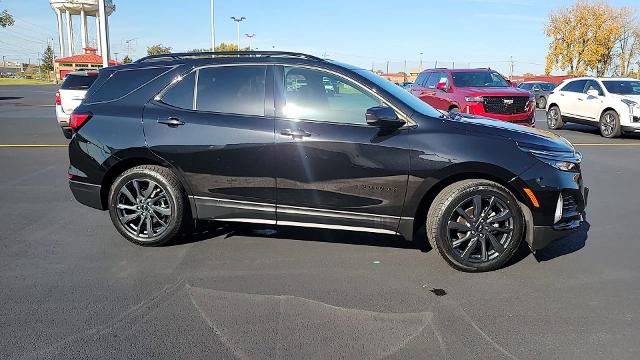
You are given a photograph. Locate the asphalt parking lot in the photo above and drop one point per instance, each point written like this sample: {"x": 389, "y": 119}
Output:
{"x": 72, "y": 287}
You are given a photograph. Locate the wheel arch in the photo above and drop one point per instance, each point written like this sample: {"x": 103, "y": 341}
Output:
{"x": 420, "y": 212}
{"x": 608, "y": 108}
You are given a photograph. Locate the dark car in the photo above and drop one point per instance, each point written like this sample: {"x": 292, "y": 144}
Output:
{"x": 540, "y": 89}
{"x": 258, "y": 138}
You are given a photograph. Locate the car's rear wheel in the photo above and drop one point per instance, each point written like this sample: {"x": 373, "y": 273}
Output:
{"x": 610, "y": 124}
{"x": 542, "y": 102}
{"x": 147, "y": 205}
{"x": 554, "y": 118}
{"x": 475, "y": 225}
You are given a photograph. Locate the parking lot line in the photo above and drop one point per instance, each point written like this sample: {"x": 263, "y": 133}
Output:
{"x": 33, "y": 145}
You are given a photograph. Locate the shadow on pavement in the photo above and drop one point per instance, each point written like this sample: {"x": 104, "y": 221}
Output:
{"x": 565, "y": 246}
{"x": 10, "y": 98}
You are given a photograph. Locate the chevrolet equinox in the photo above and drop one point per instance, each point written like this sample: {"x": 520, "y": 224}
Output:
{"x": 259, "y": 137}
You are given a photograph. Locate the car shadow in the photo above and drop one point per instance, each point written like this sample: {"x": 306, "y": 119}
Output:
{"x": 568, "y": 245}
{"x": 10, "y": 98}
{"x": 586, "y": 129}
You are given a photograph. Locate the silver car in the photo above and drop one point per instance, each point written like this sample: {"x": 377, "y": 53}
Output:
{"x": 70, "y": 95}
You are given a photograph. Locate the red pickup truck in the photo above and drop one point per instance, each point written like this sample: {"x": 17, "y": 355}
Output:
{"x": 482, "y": 92}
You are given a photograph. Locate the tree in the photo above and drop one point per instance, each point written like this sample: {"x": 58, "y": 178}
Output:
{"x": 220, "y": 47}
{"x": 628, "y": 48}
{"x": 127, "y": 60}
{"x": 583, "y": 37}
{"x": 158, "y": 49}
{"x": 47, "y": 60}
{"x": 6, "y": 19}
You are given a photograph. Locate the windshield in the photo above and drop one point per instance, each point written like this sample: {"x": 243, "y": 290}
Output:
{"x": 478, "y": 79}
{"x": 547, "y": 86}
{"x": 402, "y": 95}
{"x": 78, "y": 82}
{"x": 622, "y": 87}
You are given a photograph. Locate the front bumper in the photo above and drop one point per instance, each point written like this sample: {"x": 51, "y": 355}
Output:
{"x": 547, "y": 184}
{"x": 526, "y": 118}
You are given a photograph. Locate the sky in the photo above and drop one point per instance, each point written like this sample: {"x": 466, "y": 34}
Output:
{"x": 454, "y": 33}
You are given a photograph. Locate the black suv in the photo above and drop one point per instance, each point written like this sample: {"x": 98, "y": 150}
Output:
{"x": 291, "y": 139}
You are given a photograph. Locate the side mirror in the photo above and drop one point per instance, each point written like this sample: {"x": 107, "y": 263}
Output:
{"x": 383, "y": 117}
{"x": 442, "y": 86}
{"x": 593, "y": 92}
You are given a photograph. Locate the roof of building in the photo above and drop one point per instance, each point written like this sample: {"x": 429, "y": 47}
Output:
{"x": 89, "y": 57}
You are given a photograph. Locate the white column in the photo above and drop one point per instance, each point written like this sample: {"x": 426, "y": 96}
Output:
{"x": 69, "y": 33}
{"x": 104, "y": 32}
{"x": 99, "y": 49}
{"x": 83, "y": 27}
{"x": 60, "y": 33}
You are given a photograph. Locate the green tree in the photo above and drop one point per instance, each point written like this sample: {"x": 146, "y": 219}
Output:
{"x": 127, "y": 60}
{"x": 158, "y": 49}
{"x": 47, "y": 61}
{"x": 220, "y": 47}
{"x": 6, "y": 19}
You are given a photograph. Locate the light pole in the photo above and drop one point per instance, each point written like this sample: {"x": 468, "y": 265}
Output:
{"x": 238, "y": 21}
{"x": 250, "y": 36}
{"x": 420, "y": 68}
{"x": 213, "y": 30}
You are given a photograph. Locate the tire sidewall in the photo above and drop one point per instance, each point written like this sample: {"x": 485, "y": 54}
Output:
{"x": 542, "y": 102}
{"x": 174, "y": 196}
{"x": 453, "y": 202}
{"x": 559, "y": 123}
{"x": 617, "y": 130}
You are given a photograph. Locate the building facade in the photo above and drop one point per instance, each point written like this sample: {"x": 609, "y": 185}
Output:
{"x": 87, "y": 60}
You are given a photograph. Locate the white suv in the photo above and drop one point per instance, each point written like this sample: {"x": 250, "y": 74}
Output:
{"x": 611, "y": 104}
{"x": 70, "y": 95}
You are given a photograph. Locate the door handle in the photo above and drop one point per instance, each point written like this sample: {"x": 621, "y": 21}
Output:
{"x": 295, "y": 133}
{"x": 172, "y": 122}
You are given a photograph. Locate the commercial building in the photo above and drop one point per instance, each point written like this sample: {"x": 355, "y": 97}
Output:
{"x": 88, "y": 60}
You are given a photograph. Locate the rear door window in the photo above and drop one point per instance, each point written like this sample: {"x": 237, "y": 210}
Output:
{"x": 433, "y": 80}
{"x": 78, "y": 82}
{"x": 575, "y": 86}
{"x": 231, "y": 89}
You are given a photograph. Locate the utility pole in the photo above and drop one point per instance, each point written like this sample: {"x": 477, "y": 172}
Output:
{"x": 510, "y": 68}
{"x": 250, "y": 36}
{"x": 420, "y": 67}
{"x": 387, "y": 67}
{"x": 128, "y": 42}
{"x": 213, "y": 30}
{"x": 405, "y": 71}
{"x": 116, "y": 55}
{"x": 238, "y": 21}
{"x": 371, "y": 65}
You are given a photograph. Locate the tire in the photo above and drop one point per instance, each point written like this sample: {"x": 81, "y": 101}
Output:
{"x": 610, "y": 124}
{"x": 554, "y": 118}
{"x": 453, "y": 239}
{"x": 152, "y": 194}
{"x": 542, "y": 102}
{"x": 454, "y": 110}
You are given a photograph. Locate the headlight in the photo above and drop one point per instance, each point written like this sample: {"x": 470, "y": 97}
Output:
{"x": 473, "y": 99}
{"x": 633, "y": 106}
{"x": 561, "y": 160}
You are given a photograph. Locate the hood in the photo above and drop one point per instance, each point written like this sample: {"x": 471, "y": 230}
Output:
{"x": 635, "y": 98}
{"x": 494, "y": 91}
{"x": 522, "y": 135}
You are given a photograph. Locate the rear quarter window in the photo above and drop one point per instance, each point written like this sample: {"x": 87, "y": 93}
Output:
{"x": 123, "y": 82}
{"x": 78, "y": 82}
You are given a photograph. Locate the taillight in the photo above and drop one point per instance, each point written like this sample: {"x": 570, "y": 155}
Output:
{"x": 76, "y": 120}
{"x": 58, "y": 101}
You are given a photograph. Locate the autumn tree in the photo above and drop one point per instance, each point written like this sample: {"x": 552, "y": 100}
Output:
{"x": 6, "y": 19}
{"x": 158, "y": 49}
{"x": 628, "y": 47}
{"x": 583, "y": 38}
{"x": 220, "y": 47}
{"x": 126, "y": 60}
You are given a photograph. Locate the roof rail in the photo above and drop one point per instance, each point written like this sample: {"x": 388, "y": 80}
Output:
{"x": 178, "y": 56}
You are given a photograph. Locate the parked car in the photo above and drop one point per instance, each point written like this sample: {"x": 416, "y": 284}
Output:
{"x": 407, "y": 85}
{"x": 164, "y": 141}
{"x": 70, "y": 94}
{"x": 482, "y": 92}
{"x": 540, "y": 90}
{"x": 611, "y": 104}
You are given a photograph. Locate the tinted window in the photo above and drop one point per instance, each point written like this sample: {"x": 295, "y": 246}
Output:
{"x": 317, "y": 95}
{"x": 181, "y": 94}
{"x": 575, "y": 86}
{"x": 231, "y": 90}
{"x": 622, "y": 87}
{"x": 433, "y": 80}
{"x": 78, "y": 82}
{"x": 547, "y": 86}
{"x": 124, "y": 82}
{"x": 421, "y": 79}
{"x": 525, "y": 86}
{"x": 592, "y": 85}
{"x": 478, "y": 79}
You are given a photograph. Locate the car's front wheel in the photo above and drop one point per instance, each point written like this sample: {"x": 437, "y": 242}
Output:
{"x": 542, "y": 102}
{"x": 147, "y": 205}
{"x": 610, "y": 124}
{"x": 554, "y": 118}
{"x": 475, "y": 225}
